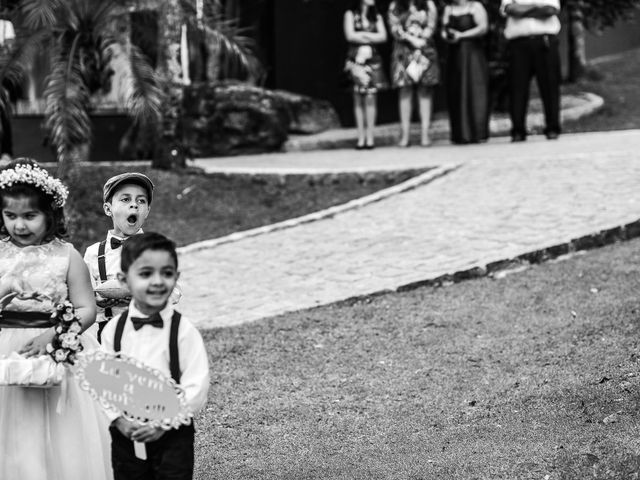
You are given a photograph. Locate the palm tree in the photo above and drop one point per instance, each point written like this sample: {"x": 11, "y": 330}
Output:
{"x": 80, "y": 40}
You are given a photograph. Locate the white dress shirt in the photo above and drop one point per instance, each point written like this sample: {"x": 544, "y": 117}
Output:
{"x": 523, "y": 27}
{"x": 150, "y": 345}
{"x": 112, "y": 268}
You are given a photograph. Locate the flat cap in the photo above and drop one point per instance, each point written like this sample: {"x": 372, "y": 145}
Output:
{"x": 136, "y": 178}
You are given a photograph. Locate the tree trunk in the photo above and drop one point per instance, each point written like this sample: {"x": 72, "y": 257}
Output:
{"x": 169, "y": 152}
{"x": 68, "y": 161}
{"x": 577, "y": 43}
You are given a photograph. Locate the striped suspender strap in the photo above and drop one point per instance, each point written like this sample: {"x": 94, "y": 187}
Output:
{"x": 117, "y": 337}
{"x": 174, "y": 354}
{"x": 174, "y": 357}
{"x": 102, "y": 270}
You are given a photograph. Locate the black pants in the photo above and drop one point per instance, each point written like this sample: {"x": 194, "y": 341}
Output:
{"x": 169, "y": 458}
{"x": 538, "y": 56}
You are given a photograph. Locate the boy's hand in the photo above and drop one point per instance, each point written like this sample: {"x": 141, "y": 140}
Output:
{"x": 146, "y": 433}
{"x": 124, "y": 426}
{"x": 111, "y": 302}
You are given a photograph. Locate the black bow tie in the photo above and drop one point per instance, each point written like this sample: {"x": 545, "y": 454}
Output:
{"x": 116, "y": 243}
{"x": 154, "y": 320}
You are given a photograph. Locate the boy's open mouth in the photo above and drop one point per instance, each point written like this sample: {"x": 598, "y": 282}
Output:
{"x": 132, "y": 219}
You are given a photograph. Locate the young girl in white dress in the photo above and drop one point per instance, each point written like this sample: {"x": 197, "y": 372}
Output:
{"x": 58, "y": 432}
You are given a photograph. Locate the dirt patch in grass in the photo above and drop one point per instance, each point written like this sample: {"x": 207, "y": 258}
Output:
{"x": 190, "y": 206}
{"x": 532, "y": 375}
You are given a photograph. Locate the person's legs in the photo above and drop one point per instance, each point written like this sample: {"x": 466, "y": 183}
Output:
{"x": 404, "y": 100}
{"x": 358, "y": 113}
{"x": 520, "y": 71}
{"x": 173, "y": 455}
{"x": 548, "y": 77}
{"x": 424, "y": 100}
{"x": 126, "y": 466}
{"x": 370, "y": 118}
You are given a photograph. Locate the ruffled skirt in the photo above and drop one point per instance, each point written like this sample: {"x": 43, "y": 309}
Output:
{"x": 54, "y": 433}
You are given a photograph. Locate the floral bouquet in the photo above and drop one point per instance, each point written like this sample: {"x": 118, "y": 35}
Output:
{"x": 49, "y": 369}
{"x": 65, "y": 345}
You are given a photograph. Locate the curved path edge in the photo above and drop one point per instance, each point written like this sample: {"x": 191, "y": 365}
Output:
{"x": 496, "y": 268}
{"x": 583, "y": 243}
{"x": 407, "y": 185}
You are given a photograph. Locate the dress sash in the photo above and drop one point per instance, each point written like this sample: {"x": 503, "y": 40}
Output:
{"x": 14, "y": 319}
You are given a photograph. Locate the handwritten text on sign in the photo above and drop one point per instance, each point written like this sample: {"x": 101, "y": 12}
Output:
{"x": 129, "y": 387}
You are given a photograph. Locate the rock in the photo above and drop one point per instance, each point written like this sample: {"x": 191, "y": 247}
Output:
{"x": 230, "y": 119}
{"x": 306, "y": 114}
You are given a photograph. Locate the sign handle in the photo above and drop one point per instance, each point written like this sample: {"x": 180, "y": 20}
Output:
{"x": 140, "y": 450}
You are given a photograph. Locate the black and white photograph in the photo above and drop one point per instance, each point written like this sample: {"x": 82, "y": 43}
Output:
{"x": 319, "y": 239}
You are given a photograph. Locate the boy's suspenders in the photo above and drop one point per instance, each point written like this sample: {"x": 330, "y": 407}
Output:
{"x": 174, "y": 358}
{"x": 102, "y": 270}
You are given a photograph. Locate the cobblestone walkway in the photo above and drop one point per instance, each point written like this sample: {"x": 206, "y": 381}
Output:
{"x": 503, "y": 200}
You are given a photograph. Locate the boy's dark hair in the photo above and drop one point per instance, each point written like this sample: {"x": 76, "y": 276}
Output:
{"x": 56, "y": 222}
{"x": 136, "y": 245}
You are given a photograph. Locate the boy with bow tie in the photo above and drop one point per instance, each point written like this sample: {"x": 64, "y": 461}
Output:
{"x": 151, "y": 331}
{"x": 127, "y": 200}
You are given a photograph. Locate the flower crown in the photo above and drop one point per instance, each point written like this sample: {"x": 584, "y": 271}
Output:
{"x": 39, "y": 178}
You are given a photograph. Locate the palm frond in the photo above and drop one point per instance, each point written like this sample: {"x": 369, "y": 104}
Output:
{"x": 15, "y": 62}
{"x": 144, "y": 99}
{"x": 66, "y": 102}
{"x": 235, "y": 48}
{"x": 39, "y": 14}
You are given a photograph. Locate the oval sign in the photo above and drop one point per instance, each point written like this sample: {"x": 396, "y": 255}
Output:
{"x": 129, "y": 387}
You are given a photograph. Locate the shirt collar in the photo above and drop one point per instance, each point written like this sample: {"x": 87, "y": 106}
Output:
{"x": 110, "y": 234}
{"x": 166, "y": 313}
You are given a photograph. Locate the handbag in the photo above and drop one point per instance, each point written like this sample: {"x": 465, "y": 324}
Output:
{"x": 40, "y": 372}
{"x": 418, "y": 65}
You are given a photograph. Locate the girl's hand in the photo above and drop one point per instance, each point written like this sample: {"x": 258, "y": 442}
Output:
{"x": 418, "y": 43}
{"x": 11, "y": 284}
{"x": 146, "y": 433}
{"x": 453, "y": 36}
{"x": 37, "y": 346}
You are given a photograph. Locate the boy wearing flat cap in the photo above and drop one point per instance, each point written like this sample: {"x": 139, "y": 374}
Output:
{"x": 127, "y": 199}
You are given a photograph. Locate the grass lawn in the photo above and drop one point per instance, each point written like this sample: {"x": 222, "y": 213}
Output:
{"x": 532, "y": 375}
{"x": 620, "y": 89}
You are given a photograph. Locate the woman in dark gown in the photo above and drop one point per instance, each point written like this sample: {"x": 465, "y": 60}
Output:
{"x": 464, "y": 26}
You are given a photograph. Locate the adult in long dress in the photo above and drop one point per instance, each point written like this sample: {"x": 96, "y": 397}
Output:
{"x": 465, "y": 25}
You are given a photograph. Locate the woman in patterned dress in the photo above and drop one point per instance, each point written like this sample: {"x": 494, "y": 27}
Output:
{"x": 414, "y": 61}
{"x": 363, "y": 29}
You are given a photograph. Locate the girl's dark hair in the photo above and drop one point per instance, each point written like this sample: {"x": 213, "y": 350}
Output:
{"x": 136, "y": 245}
{"x": 56, "y": 222}
{"x": 372, "y": 12}
{"x": 403, "y": 5}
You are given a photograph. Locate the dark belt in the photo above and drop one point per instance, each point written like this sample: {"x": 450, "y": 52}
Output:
{"x": 542, "y": 36}
{"x": 13, "y": 319}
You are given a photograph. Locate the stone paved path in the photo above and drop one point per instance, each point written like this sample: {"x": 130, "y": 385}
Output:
{"x": 502, "y": 201}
